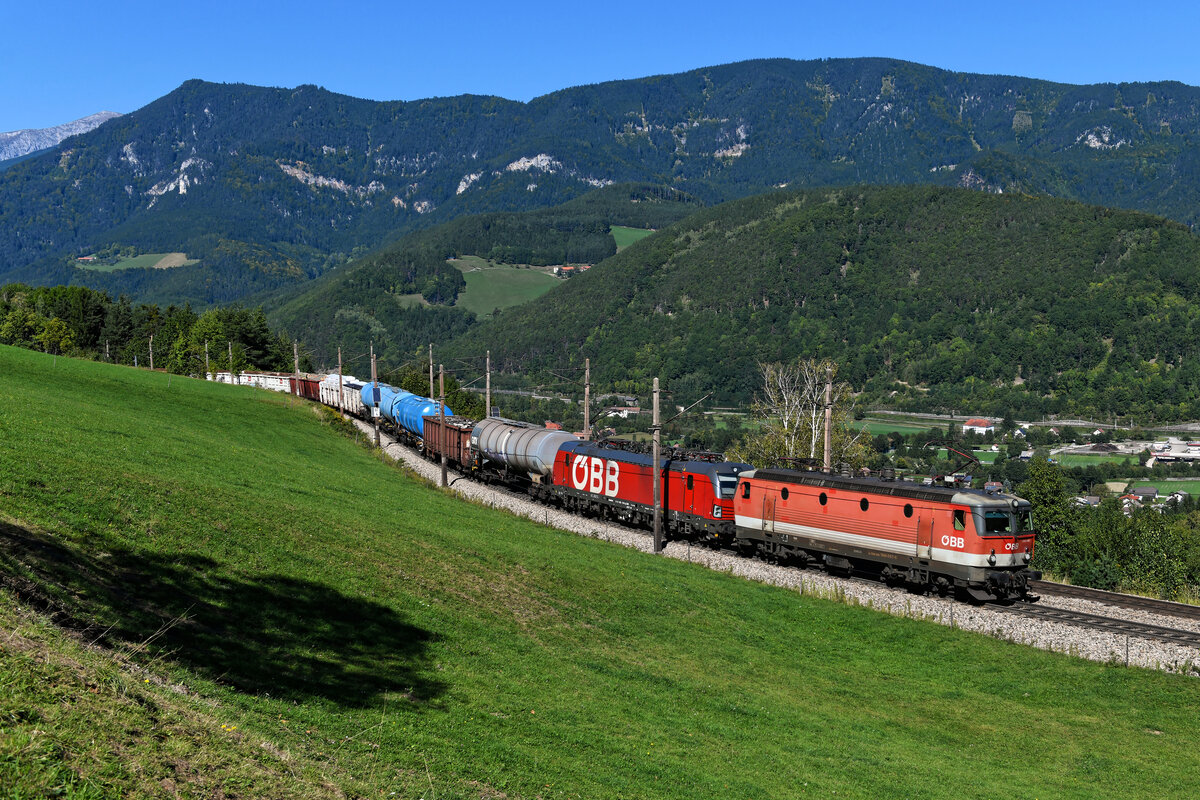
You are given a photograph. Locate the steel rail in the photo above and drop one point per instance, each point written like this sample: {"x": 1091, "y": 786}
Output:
{"x": 1131, "y": 601}
{"x": 1139, "y": 630}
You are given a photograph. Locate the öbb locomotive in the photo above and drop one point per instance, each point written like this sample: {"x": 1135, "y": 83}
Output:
{"x": 931, "y": 537}
{"x": 943, "y": 539}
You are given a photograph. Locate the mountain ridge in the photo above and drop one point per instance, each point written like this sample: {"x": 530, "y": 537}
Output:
{"x": 15, "y": 144}
{"x": 310, "y": 177}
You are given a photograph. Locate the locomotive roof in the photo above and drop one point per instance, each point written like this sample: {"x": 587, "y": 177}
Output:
{"x": 935, "y": 494}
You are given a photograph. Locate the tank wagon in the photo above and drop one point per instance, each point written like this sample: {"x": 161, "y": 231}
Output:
{"x": 517, "y": 451}
{"x": 929, "y": 537}
{"x": 404, "y": 410}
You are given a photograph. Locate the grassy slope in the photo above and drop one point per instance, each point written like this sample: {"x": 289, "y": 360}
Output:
{"x": 625, "y": 236}
{"x": 143, "y": 261}
{"x": 491, "y": 286}
{"x": 368, "y": 629}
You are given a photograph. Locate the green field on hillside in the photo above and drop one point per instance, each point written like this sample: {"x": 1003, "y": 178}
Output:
{"x": 143, "y": 261}
{"x": 624, "y": 236}
{"x": 878, "y": 425}
{"x": 1088, "y": 459}
{"x": 491, "y": 286}
{"x": 291, "y": 617}
{"x": 1166, "y": 487}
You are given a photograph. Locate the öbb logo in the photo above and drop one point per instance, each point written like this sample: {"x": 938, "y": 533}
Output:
{"x": 596, "y": 475}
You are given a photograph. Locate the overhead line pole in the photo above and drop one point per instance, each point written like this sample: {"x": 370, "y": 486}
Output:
{"x": 341, "y": 404}
{"x": 488, "y": 390}
{"x": 828, "y": 460}
{"x": 152, "y": 352}
{"x": 296, "y": 364}
{"x": 375, "y": 412}
{"x": 442, "y": 419}
{"x": 657, "y": 467}
{"x": 587, "y": 399}
{"x": 431, "y": 369}
{"x": 205, "y": 357}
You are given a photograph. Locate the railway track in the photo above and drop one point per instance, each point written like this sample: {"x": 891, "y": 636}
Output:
{"x": 1130, "y": 601}
{"x": 1138, "y": 630}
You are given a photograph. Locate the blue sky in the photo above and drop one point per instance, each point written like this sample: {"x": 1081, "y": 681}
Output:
{"x": 64, "y": 60}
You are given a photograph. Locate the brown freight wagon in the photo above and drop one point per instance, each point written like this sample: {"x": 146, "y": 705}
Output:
{"x": 306, "y": 386}
{"x": 454, "y": 437}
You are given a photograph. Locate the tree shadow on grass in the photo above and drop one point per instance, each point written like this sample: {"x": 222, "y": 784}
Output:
{"x": 289, "y": 638}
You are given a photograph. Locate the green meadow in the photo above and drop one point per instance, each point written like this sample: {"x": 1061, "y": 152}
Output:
{"x": 491, "y": 286}
{"x": 878, "y": 425}
{"x": 215, "y": 591}
{"x": 143, "y": 261}
{"x": 1089, "y": 460}
{"x": 624, "y": 236}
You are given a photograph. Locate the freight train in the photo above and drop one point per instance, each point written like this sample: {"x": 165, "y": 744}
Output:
{"x": 945, "y": 539}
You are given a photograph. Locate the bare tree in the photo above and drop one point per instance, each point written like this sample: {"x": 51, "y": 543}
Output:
{"x": 790, "y": 414}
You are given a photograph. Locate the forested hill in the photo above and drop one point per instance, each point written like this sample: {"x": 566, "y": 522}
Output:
{"x": 928, "y": 298}
{"x": 270, "y": 187}
{"x": 398, "y": 297}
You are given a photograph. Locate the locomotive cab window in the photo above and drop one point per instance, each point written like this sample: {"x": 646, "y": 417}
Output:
{"x": 745, "y": 490}
{"x": 689, "y": 481}
{"x": 996, "y": 522}
{"x": 960, "y": 520}
{"x": 783, "y": 493}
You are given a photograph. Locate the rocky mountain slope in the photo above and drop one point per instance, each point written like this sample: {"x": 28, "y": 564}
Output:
{"x": 15, "y": 144}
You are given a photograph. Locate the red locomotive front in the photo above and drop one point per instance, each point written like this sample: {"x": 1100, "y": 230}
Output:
{"x": 925, "y": 535}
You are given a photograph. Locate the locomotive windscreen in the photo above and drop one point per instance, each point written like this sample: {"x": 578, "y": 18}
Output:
{"x": 997, "y": 521}
{"x": 727, "y": 484}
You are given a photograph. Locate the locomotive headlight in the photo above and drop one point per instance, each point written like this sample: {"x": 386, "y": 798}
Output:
{"x": 1028, "y": 555}
{"x": 716, "y": 512}
{"x": 992, "y": 558}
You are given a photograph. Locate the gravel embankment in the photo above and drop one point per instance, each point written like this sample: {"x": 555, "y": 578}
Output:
{"x": 1081, "y": 642}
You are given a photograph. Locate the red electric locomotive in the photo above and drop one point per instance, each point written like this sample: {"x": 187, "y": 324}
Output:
{"x": 697, "y": 492}
{"x": 931, "y": 537}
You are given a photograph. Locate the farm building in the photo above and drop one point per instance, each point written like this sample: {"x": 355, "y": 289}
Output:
{"x": 979, "y": 425}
